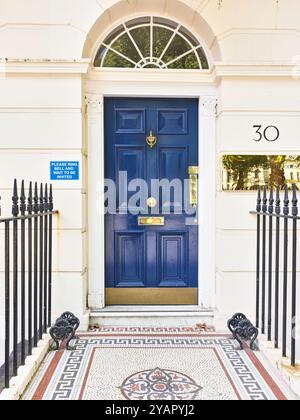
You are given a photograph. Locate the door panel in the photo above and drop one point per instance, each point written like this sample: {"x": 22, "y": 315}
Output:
{"x": 130, "y": 121}
{"x": 130, "y": 256}
{"x": 172, "y": 121}
{"x": 131, "y": 160}
{"x": 173, "y": 258}
{"x": 173, "y": 163}
{"x": 151, "y": 264}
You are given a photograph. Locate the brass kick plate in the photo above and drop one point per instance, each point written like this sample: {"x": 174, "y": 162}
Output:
{"x": 151, "y": 221}
{"x": 162, "y": 296}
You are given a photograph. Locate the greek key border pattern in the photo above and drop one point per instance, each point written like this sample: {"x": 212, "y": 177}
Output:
{"x": 244, "y": 373}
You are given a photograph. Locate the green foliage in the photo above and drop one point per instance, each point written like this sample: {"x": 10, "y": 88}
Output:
{"x": 241, "y": 167}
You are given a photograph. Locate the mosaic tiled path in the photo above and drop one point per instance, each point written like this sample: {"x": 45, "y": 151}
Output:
{"x": 155, "y": 364}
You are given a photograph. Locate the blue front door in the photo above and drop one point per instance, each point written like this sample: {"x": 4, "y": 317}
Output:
{"x": 151, "y": 230}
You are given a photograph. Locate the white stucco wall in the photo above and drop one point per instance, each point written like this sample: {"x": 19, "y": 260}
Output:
{"x": 254, "y": 46}
{"x": 40, "y": 119}
{"x": 246, "y": 102}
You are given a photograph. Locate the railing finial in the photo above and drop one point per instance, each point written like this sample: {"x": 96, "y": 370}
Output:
{"x": 30, "y": 199}
{"x": 258, "y": 207}
{"x": 36, "y": 199}
{"x": 271, "y": 200}
{"x": 41, "y": 206}
{"x": 23, "y": 199}
{"x": 265, "y": 200}
{"x": 295, "y": 201}
{"x": 278, "y": 200}
{"x": 51, "y": 206}
{"x": 15, "y": 200}
{"x": 46, "y": 201}
{"x": 286, "y": 201}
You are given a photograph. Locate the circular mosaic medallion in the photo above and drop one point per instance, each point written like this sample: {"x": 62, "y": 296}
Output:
{"x": 160, "y": 384}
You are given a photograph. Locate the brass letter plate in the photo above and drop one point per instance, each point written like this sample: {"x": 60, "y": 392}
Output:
{"x": 151, "y": 221}
{"x": 193, "y": 170}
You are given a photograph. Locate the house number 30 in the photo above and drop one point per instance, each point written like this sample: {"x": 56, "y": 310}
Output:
{"x": 270, "y": 133}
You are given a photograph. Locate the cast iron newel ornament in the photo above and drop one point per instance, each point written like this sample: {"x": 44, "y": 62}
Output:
{"x": 243, "y": 330}
{"x": 64, "y": 329}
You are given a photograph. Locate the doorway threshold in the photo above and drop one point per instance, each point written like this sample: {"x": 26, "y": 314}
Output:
{"x": 153, "y": 309}
{"x": 152, "y": 316}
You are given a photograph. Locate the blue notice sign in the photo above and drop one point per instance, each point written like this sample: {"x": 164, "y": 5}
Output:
{"x": 64, "y": 171}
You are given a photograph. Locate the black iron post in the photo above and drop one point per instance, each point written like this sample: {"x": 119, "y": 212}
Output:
{"x": 264, "y": 209}
{"x": 277, "y": 266}
{"x": 270, "y": 288}
{"x": 23, "y": 295}
{"x": 41, "y": 269}
{"x": 258, "y": 209}
{"x": 35, "y": 264}
{"x": 294, "y": 277}
{"x": 50, "y": 207}
{"x": 15, "y": 213}
{"x": 286, "y": 211}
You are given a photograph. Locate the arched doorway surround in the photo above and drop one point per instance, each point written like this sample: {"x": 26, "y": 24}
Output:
{"x": 140, "y": 81}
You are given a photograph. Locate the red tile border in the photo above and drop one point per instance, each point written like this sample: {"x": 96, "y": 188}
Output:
{"x": 266, "y": 376}
{"x": 43, "y": 385}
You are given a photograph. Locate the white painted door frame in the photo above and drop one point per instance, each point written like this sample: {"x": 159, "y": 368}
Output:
{"x": 148, "y": 83}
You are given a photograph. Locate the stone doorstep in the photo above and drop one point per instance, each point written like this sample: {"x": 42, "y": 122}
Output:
{"x": 150, "y": 319}
{"x": 26, "y": 373}
{"x": 290, "y": 375}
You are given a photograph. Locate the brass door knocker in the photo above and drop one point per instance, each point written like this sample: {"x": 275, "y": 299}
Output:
{"x": 151, "y": 140}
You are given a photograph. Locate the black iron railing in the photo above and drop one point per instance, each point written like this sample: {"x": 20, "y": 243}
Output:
{"x": 276, "y": 267}
{"x": 27, "y": 251}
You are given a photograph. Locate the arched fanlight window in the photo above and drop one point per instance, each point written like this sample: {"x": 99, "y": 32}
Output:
{"x": 151, "y": 42}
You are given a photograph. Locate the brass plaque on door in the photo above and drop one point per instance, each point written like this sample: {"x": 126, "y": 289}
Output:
{"x": 151, "y": 221}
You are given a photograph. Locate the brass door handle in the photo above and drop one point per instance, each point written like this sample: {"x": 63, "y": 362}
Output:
{"x": 193, "y": 172}
{"x": 151, "y": 140}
